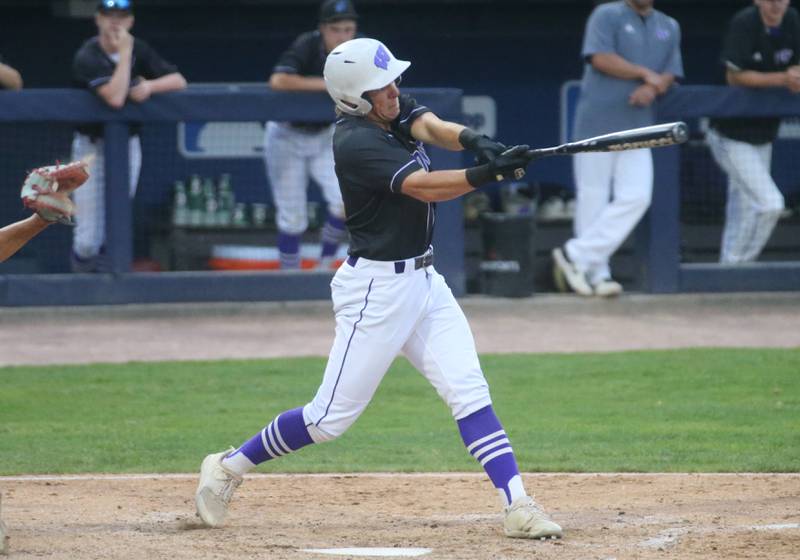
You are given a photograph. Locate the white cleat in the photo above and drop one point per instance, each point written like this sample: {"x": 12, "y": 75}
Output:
{"x": 607, "y": 288}
{"x": 525, "y": 519}
{"x": 216, "y": 488}
{"x": 565, "y": 272}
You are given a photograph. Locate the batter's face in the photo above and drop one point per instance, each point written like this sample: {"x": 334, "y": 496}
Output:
{"x": 337, "y": 32}
{"x": 385, "y": 104}
{"x": 772, "y": 11}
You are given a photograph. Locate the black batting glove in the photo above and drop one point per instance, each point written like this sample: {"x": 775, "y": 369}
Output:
{"x": 484, "y": 148}
{"x": 510, "y": 164}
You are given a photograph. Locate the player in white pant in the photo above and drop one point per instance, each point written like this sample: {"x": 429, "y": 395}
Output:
{"x": 621, "y": 82}
{"x": 614, "y": 193}
{"x": 754, "y": 201}
{"x": 295, "y": 152}
{"x": 388, "y": 297}
{"x": 294, "y": 155}
{"x": 116, "y": 67}
{"x": 761, "y": 50}
{"x": 88, "y": 236}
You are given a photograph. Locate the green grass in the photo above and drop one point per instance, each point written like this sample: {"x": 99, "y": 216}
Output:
{"x": 683, "y": 410}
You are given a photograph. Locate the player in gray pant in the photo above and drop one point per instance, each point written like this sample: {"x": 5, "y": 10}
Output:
{"x": 388, "y": 297}
{"x": 761, "y": 50}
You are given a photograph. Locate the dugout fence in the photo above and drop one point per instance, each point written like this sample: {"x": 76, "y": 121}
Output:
{"x": 36, "y": 127}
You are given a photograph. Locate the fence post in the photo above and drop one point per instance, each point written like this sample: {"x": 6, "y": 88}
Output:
{"x": 660, "y": 237}
{"x": 119, "y": 232}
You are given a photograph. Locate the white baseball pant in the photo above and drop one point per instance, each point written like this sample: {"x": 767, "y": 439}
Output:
{"x": 291, "y": 157}
{"x": 89, "y": 233}
{"x": 754, "y": 201}
{"x": 613, "y": 191}
{"x": 379, "y": 314}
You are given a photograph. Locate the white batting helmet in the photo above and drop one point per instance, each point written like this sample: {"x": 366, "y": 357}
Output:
{"x": 358, "y": 66}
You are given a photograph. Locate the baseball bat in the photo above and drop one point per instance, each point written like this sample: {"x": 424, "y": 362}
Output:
{"x": 657, "y": 136}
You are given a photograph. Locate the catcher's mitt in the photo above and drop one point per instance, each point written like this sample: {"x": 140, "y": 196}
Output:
{"x": 46, "y": 190}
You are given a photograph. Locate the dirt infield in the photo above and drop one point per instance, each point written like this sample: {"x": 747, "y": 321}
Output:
{"x": 715, "y": 517}
{"x": 605, "y": 516}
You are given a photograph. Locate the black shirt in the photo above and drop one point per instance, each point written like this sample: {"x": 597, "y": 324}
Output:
{"x": 371, "y": 165}
{"x": 305, "y": 57}
{"x": 92, "y": 68}
{"x": 750, "y": 46}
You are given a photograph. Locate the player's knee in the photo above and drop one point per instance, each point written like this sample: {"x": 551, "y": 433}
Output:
{"x": 336, "y": 209}
{"x": 292, "y": 224}
{"x": 319, "y": 435}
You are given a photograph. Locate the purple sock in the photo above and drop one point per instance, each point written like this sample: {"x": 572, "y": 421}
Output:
{"x": 284, "y": 435}
{"x": 333, "y": 233}
{"x": 289, "y": 249}
{"x": 486, "y": 440}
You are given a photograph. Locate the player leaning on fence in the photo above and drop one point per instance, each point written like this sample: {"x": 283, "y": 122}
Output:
{"x": 388, "y": 298}
{"x": 761, "y": 50}
{"x": 295, "y": 152}
{"x": 632, "y": 56}
{"x": 116, "y": 67}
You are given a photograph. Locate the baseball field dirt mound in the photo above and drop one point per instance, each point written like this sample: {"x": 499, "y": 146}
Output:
{"x": 643, "y": 516}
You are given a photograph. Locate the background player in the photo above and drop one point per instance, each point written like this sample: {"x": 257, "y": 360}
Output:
{"x": 632, "y": 55}
{"x": 117, "y": 67}
{"x": 293, "y": 151}
{"x": 761, "y": 49}
{"x": 387, "y": 297}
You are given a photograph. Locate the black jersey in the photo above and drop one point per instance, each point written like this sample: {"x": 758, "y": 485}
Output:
{"x": 305, "y": 57}
{"x": 92, "y": 67}
{"x": 750, "y": 46}
{"x": 371, "y": 165}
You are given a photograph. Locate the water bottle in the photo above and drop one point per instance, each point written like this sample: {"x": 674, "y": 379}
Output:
{"x": 239, "y": 218}
{"x": 227, "y": 200}
{"x": 210, "y": 203}
{"x": 195, "y": 202}
{"x": 180, "y": 205}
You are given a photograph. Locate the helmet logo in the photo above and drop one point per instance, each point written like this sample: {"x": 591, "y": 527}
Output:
{"x": 382, "y": 58}
{"x": 340, "y": 7}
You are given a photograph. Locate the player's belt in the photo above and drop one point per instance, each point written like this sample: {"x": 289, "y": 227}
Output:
{"x": 423, "y": 261}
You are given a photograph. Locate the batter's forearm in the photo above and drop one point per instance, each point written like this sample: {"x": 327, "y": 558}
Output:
{"x": 14, "y": 236}
{"x": 431, "y": 129}
{"x": 436, "y": 186}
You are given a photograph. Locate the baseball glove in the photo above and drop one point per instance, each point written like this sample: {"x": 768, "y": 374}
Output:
{"x": 46, "y": 190}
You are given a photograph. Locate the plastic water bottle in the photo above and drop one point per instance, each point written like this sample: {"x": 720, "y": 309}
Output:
{"x": 180, "y": 205}
{"x": 210, "y": 203}
{"x": 195, "y": 202}
{"x": 227, "y": 201}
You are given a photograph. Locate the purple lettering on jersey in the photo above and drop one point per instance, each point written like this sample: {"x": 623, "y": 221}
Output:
{"x": 783, "y": 57}
{"x": 382, "y": 58}
{"x": 422, "y": 157}
{"x": 662, "y": 34}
